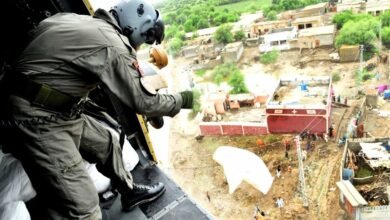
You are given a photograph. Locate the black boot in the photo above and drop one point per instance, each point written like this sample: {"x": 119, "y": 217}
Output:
{"x": 141, "y": 194}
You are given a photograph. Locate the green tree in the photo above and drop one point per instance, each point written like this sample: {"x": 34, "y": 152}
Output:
{"x": 202, "y": 23}
{"x": 269, "y": 57}
{"x": 271, "y": 15}
{"x": 291, "y": 4}
{"x": 224, "y": 34}
{"x": 197, "y": 104}
{"x": 170, "y": 18}
{"x": 222, "y": 72}
{"x": 171, "y": 31}
{"x": 363, "y": 31}
{"x": 237, "y": 82}
{"x": 232, "y": 17}
{"x": 188, "y": 27}
{"x": 221, "y": 19}
{"x": 239, "y": 35}
{"x": 386, "y": 36}
{"x": 174, "y": 46}
{"x": 385, "y": 18}
{"x": 341, "y": 18}
{"x": 181, "y": 35}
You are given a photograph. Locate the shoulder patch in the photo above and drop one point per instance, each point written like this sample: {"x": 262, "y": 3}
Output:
{"x": 137, "y": 67}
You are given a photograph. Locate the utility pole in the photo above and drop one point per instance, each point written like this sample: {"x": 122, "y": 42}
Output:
{"x": 302, "y": 184}
{"x": 361, "y": 59}
{"x": 380, "y": 36}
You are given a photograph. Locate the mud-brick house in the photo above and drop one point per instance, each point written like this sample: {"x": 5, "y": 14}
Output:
{"x": 307, "y": 22}
{"x": 354, "y": 6}
{"x": 308, "y": 11}
{"x": 377, "y": 8}
{"x": 210, "y": 51}
{"x": 316, "y": 37}
{"x": 264, "y": 27}
{"x": 246, "y": 21}
{"x": 190, "y": 51}
{"x": 232, "y": 52}
{"x": 207, "y": 32}
{"x": 373, "y": 7}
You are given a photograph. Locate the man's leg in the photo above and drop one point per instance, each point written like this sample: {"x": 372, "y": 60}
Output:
{"x": 54, "y": 165}
{"x": 99, "y": 145}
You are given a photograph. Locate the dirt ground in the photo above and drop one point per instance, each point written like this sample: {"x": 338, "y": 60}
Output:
{"x": 192, "y": 166}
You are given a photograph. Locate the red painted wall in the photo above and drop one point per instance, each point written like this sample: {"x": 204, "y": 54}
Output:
{"x": 212, "y": 130}
{"x": 254, "y": 130}
{"x": 215, "y": 129}
{"x": 296, "y": 124}
{"x": 232, "y": 129}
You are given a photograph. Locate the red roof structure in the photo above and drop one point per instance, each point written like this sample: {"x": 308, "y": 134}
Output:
{"x": 300, "y": 104}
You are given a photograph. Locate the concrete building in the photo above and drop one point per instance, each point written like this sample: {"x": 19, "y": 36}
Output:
{"x": 232, "y": 52}
{"x": 377, "y": 8}
{"x": 307, "y": 22}
{"x": 316, "y": 37}
{"x": 356, "y": 191}
{"x": 210, "y": 51}
{"x": 246, "y": 21}
{"x": 373, "y": 7}
{"x": 299, "y": 104}
{"x": 264, "y": 27}
{"x": 207, "y": 32}
{"x": 278, "y": 39}
{"x": 310, "y": 10}
{"x": 190, "y": 51}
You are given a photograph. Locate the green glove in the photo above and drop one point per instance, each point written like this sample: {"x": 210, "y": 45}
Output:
{"x": 188, "y": 99}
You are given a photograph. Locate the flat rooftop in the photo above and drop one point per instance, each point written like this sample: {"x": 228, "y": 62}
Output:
{"x": 245, "y": 114}
{"x": 289, "y": 93}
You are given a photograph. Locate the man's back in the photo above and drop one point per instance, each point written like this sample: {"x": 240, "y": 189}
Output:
{"x": 68, "y": 52}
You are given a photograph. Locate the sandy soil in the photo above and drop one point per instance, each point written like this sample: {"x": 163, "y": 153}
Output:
{"x": 190, "y": 160}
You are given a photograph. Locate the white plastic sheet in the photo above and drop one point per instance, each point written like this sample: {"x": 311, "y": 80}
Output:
{"x": 242, "y": 165}
{"x": 15, "y": 189}
{"x": 130, "y": 156}
{"x": 14, "y": 183}
{"x": 375, "y": 151}
{"x": 14, "y": 211}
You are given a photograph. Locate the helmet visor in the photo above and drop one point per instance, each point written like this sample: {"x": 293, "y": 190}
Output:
{"x": 156, "y": 33}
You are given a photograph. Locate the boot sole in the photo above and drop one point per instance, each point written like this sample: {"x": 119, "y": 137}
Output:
{"x": 128, "y": 209}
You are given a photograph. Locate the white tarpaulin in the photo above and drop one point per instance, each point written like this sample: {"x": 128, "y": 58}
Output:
{"x": 376, "y": 154}
{"x": 375, "y": 151}
{"x": 16, "y": 188}
{"x": 242, "y": 165}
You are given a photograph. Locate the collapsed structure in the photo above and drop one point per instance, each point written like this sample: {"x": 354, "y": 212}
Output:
{"x": 364, "y": 178}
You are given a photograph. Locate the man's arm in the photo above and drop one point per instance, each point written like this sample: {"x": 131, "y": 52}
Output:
{"x": 123, "y": 80}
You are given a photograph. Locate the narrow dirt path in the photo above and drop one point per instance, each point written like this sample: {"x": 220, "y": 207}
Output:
{"x": 324, "y": 194}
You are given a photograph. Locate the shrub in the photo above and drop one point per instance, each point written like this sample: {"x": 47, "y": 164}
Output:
{"x": 197, "y": 105}
{"x": 237, "y": 82}
{"x": 269, "y": 57}
{"x": 366, "y": 76}
{"x": 272, "y": 15}
{"x": 239, "y": 35}
{"x": 200, "y": 72}
{"x": 336, "y": 77}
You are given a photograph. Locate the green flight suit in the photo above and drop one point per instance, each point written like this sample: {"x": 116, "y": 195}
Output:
{"x": 74, "y": 53}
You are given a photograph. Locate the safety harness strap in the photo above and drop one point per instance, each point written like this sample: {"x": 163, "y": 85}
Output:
{"x": 39, "y": 94}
